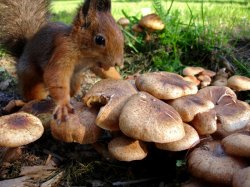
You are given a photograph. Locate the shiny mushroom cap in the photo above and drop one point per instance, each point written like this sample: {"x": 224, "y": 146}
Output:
{"x": 19, "y": 129}
{"x": 151, "y": 22}
{"x": 127, "y": 149}
{"x": 190, "y": 139}
{"x": 164, "y": 85}
{"x": 239, "y": 83}
{"x": 147, "y": 118}
{"x": 211, "y": 163}
{"x": 112, "y": 95}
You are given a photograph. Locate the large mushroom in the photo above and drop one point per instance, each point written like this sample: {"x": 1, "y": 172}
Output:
{"x": 164, "y": 85}
{"x": 112, "y": 95}
{"x": 19, "y": 129}
{"x": 147, "y": 118}
{"x": 211, "y": 163}
{"x": 16, "y": 130}
{"x": 242, "y": 178}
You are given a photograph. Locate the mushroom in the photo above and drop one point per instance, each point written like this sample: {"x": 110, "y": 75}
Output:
{"x": 164, "y": 85}
{"x": 137, "y": 28}
{"x": 151, "y": 22}
{"x": 237, "y": 144}
{"x": 149, "y": 119}
{"x": 220, "y": 78}
{"x": 16, "y": 130}
{"x": 124, "y": 148}
{"x": 190, "y": 105}
{"x": 239, "y": 83}
{"x": 190, "y": 139}
{"x": 42, "y": 109}
{"x": 241, "y": 178}
{"x": 211, "y": 163}
{"x": 19, "y": 129}
{"x": 193, "y": 79}
{"x": 208, "y": 73}
{"x": 192, "y": 70}
{"x": 123, "y": 22}
{"x": 205, "y": 80}
{"x": 112, "y": 94}
{"x": 80, "y": 127}
{"x": 205, "y": 123}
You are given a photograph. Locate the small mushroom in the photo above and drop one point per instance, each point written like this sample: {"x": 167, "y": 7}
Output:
{"x": 211, "y": 163}
{"x": 123, "y": 22}
{"x": 127, "y": 149}
{"x": 80, "y": 127}
{"x": 192, "y": 70}
{"x": 193, "y": 79}
{"x": 205, "y": 80}
{"x": 237, "y": 144}
{"x": 241, "y": 178}
{"x": 151, "y": 23}
{"x": 239, "y": 83}
{"x": 208, "y": 73}
{"x": 149, "y": 119}
{"x": 164, "y": 85}
{"x": 112, "y": 95}
{"x": 190, "y": 139}
{"x": 220, "y": 78}
{"x": 137, "y": 28}
{"x": 205, "y": 122}
{"x": 190, "y": 105}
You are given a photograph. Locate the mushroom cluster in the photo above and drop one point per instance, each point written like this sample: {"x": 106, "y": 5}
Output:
{"x": 167, "y": 111}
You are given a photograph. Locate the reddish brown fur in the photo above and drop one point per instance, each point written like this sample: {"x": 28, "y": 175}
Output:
{"x": 53, "y": 57}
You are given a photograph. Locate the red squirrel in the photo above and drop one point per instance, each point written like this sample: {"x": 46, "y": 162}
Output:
{"x": 51, "y": 55}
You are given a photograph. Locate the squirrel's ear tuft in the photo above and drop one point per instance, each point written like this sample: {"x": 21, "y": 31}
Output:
{"x": 85, "y": 7}
{"x": 103, "y": 5}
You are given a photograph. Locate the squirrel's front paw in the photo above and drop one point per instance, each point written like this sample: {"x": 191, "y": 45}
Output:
{"x": 61, "y": 112}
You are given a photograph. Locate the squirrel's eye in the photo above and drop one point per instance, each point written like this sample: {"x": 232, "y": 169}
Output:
{"x": 100, "y": 40}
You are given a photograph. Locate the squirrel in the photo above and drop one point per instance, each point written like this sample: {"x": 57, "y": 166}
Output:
{"x": 51, "y": 55}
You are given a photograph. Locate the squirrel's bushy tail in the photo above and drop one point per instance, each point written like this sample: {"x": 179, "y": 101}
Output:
{"x": 19, "y": 21}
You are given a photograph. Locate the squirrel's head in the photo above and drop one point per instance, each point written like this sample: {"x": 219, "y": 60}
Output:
{"x": 99, "y": 37}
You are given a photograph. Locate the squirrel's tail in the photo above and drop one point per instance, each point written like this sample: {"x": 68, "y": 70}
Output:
{"x": 19, "y": 21}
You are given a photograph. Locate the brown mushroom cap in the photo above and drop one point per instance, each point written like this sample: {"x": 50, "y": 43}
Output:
{"x": 42, "y": 109}
{"x": 164, "y": 85}
{"x": 113, "y": 94}
{"x": 147, "y": 118}
{"x": 80, "y": 127}
{"x": 193, "y": 79}
{"x": 242, "y": 178}
{"x": 190, "y": 139}
{"x": 237, "y": 144}
{"x": 233, "y": 115}
{"x": 205, "y": 123}
{"x": 217, "y": 94}
{"x": 124, "y": 148}
{"x": 19, "y": 129}
{"x": 192, "y": 70}
{"x": 208, "y": 73}
{"x": 211, "y": 163}
{"x": 152, "y": 22}
{"x": 190, "y": 105}
{"x": 137, "y": 28}
{"x": 123, "y": 22}
{"x": 239, "y": 83}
